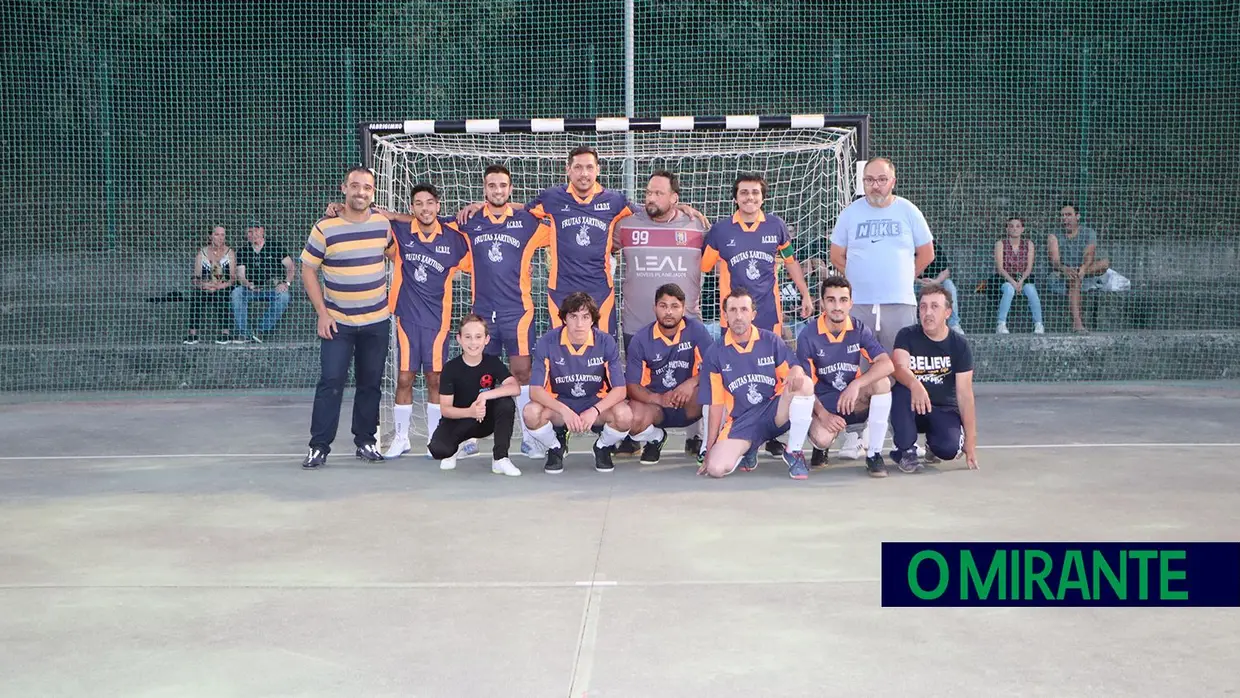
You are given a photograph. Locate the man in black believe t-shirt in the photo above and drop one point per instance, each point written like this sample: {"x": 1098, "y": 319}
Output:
{"x": 264, "y": 273}
{"x": 934, "y": 386}
{"x": 475, "y": 396}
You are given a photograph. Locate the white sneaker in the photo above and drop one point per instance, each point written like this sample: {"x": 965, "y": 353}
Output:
{"x": 1038, "y": 328}
{"x": 851, "y": 448}
{"x": 398, "y": 447}
{"x": 448, "y": 463}
{"x": 921, "y": 451}
{"x": 503, "y": 466}
{"x": 1002, "y": 328}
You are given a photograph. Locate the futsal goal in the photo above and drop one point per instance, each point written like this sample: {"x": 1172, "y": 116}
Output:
{"x": 810, "y": 162}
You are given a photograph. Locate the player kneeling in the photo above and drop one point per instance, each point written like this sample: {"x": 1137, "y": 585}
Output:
{"x": 663, "y": 363}
{"x": 476, "y": 396}
{"x": 831, "y": 349}
{"x": 751, "y": 376}
{"x": 576, "y": 383}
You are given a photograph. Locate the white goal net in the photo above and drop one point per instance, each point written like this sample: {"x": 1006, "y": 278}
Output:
{"x": 810, "y": 174}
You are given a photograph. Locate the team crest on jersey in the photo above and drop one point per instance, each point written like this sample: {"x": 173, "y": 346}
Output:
{"x": 838, "y": 382}
{"x": 583, "y": 236}
{"x": 752, "y": 394}
{"x": 682, "y": 238}
{"x": 578, "y": 390}
{"x": 495, "y": 254}
{"x": 669, "y": 379}
{"x": 751, "y": 271}
{"x": 419, "y": 274}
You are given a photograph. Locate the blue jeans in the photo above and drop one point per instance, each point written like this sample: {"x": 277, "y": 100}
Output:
{"x": 1030, "y": 292}
{"x": 366, "y": 347}
{"x": 954, "y": 319}
{"x": 277, "y": 301}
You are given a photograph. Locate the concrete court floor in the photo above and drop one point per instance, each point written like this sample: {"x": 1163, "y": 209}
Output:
{"x": 184, "y": 553}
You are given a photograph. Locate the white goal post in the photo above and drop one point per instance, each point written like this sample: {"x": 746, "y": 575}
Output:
{"x": 811, "y": 164}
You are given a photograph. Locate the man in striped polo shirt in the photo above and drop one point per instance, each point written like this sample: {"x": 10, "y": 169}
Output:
{"x": 352, "y": 308}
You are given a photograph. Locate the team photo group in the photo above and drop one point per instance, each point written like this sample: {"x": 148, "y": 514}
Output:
{"x": 618, "y": 369}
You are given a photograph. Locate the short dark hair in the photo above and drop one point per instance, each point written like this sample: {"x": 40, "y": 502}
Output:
{"x": 834, "y": 281}
{"x": 748, "y": 177}
{"x": 359, "y": 168}
{"x": 423, "y": 187}
{"x": 672, "y": 179}
{"x": 579, "y": 300}
{"x": 497, "y": 169}
{"x": 1015, "y": 218}
{"x": 673, "y": 290}
{"x": 933, "y": 288}
{"x": 1069, "y": 202}
{"x": 472, "y": 317}
{"x": 583, "y": 150}
{"x": 737, "y": 292}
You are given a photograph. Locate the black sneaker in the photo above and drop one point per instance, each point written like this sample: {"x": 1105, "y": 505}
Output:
{"x": 223, "y": 339}
{"x": 693, "y": 445}
{"x": 602, "y": 458}
{"x": 628, "y": 447}
{"x": 818, "y": 460}
{"x": 555, "y": 461}
{"x": 908, "y": 462}
{"x": 775, "y": 448}
{"x": 315, "y": 458}
{"x": 369, "y": 453}
{"x": 653, "y": 449}
{"x": 190, "y": 339}
{"x": 561, "y": 433}
{"x": 875, "y": 466}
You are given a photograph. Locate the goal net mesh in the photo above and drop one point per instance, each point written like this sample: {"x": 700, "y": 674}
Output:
{"x": 810, "y": 175}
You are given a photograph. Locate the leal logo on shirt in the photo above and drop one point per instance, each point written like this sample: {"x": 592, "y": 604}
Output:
{"x": 766, "y": 361}
{"x": 596, "y": 361}
{"x": 769, "y": 239}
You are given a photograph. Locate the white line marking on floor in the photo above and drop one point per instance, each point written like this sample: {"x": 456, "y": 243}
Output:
{"x": 413, "y": 586}
{"x": 299, "y": 454}
{"x": 583, "y": 667}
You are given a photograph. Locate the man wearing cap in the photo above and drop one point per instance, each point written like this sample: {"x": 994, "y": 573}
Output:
{"x": 264, "y": 273}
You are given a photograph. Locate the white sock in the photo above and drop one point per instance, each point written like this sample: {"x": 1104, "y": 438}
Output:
{"x": 402, "y": 414}
{"x": 800, "y": 414}
{"x": 545, "y": 435}
{"x": 704, "y": 424}
{"x": 610, "y": 436}
{"x": 880, "y": 412}
{"x": 523, "y": 399}
{"x": 650, "y": 433}
{"x": 432, "y": 420}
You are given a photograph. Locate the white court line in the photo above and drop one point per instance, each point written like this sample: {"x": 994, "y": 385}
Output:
{"x": 397, "y": 586}
{"x": 301, "y": 454}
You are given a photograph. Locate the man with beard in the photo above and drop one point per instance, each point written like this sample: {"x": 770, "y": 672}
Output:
{"x": 663, "y": 365}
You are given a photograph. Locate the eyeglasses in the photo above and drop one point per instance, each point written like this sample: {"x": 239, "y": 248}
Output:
{"x": 875, "y": 180}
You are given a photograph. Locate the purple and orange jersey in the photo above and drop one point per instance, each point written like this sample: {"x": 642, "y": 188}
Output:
{"x": 578, "y": 376}
{"x": 583, "y": 232}
{"x": 745, "y": 375}
{"x": 503, "y": 249}
{"x": 659, "y": 363}
{"x": 834, "y": 360}
{"x": 421, "y": 295}
{"x": 749, "y": 255}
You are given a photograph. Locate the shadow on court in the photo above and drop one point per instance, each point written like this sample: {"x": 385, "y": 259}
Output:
{"x": 171, "y": 545}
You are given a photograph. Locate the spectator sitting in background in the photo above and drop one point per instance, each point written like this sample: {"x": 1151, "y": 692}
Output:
{"x": 264, "y": 273}
{"x": 213, "y": 273}
{"x": 1074, "y": 258}
{"x": 940, "y": 272}
{"x": 1014, "y": 258}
